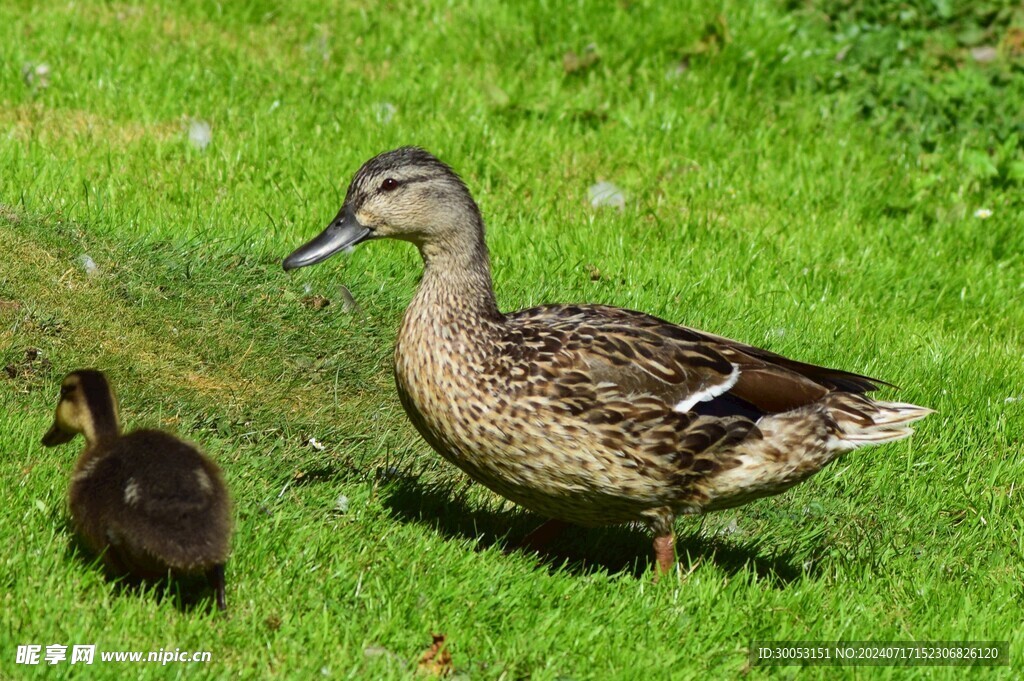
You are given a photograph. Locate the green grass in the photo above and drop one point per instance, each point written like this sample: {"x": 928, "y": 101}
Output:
{"x": 822, "y": 208}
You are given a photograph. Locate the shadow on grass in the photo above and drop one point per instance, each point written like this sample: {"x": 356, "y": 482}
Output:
{"x": 577, "y": 550}
{"x": 189, "y": 593}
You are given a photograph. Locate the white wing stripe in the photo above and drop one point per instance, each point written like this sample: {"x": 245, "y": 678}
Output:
{"x": 709, "y": 393}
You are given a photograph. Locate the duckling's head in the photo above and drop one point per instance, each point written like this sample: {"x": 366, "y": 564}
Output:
{"x": 87, "y": 405}
{"x": 405, "y": 194}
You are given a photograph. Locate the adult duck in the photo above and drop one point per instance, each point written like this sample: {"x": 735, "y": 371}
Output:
{"x": 589, "y": 414}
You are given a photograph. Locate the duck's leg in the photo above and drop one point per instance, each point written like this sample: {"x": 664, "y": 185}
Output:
{"x": 215, "y": 576}
{"x": 664, "y": 554}
{"x": 662, "y": 522}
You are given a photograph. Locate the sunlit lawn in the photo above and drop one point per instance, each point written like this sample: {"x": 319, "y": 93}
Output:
{"x": 812, "y": 178}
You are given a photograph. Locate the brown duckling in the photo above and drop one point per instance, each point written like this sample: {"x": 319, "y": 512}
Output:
{"x": 590, "y": 414}
{"x": 146, "y": 502}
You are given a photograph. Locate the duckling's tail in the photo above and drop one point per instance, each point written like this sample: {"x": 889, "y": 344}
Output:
{"x": 862, "y": 421}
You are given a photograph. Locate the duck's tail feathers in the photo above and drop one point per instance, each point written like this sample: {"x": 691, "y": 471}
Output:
{"x": 863, "y": 421}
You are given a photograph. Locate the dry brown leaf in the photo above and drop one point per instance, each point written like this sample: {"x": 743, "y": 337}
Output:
{"x": 1013, "y": 42}
{"x": 33, "y": 364}
{"x": 572, "y": 62}
{"x": 316, "y": 302}
{"x": 436, "y": 661}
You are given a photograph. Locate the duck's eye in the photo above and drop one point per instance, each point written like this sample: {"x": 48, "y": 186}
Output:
{"x": 389, "y": 185}
{"x": 66, "y": 390}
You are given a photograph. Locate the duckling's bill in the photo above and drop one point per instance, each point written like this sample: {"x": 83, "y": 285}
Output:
{"x": 345, "y": 231}
{"x": 57, "y": 436}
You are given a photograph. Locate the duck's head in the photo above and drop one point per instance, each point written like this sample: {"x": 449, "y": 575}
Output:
{"x": 405, "y": 194}
{"x": 87, "y": 405}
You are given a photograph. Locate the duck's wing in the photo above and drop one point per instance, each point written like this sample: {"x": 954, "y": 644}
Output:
{"x": 634, "y": 354}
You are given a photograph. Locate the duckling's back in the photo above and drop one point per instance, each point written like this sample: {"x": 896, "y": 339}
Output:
{"x": 153, "y": 503}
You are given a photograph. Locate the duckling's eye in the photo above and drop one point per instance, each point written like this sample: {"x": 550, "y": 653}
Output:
{"x": 389, "y": 185}
{"x": 66, "y": 390}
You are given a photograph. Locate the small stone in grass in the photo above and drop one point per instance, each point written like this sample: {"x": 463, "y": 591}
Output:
{"x": 606, "y": 194}
{"x": 984, "y": 54}
{"x": 89, "y": 265}
{"x": 341, "y": 504}
{"x": 199, "y": 134}
{"x": 388, "y": 473}
{"x": 680, "y": 67}
{"x": 36, "y": 76}
{"x": 384, "y": 112}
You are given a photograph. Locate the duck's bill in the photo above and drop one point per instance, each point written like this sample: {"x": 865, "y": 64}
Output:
{"x": 344, "y": 232}
{"x": 56, "y": 436}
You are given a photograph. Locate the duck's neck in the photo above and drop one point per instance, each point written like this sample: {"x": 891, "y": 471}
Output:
{"x": 102, "y": 424}
{"x": 457, "y": 282}
{"x": 101, "y": 430}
